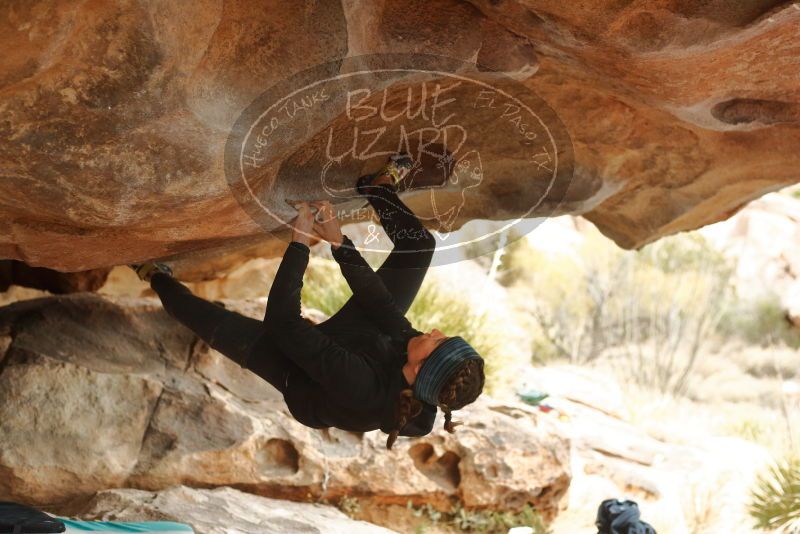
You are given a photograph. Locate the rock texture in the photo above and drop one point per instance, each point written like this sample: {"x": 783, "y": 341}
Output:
{"x": 762, "y": 242}
{"x": 144, "y": 405}
{"x": 219, "y": 511}
{"x": 682, "y": 483}
{"x": 115, "y": 114}
{"x": 14, "y": 272}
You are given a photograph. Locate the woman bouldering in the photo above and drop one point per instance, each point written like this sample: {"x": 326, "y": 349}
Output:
{"x": 364, "y": 368}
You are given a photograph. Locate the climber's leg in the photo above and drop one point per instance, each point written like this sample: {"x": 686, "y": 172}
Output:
{"x": 242, "y": 339}
{"x": 404, "y": 269}
{"x": 403, "y": 227}
{"x": 268, "y": 362}
{"x": 226, "y": 331}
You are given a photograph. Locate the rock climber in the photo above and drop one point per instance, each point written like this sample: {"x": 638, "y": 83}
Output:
{"x": 364, "y": 368}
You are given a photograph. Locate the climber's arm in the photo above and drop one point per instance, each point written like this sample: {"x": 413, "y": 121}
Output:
{"x": 370, "y": 292}
{"x": 325, "y": 361}
{"x": 284, "y": 295}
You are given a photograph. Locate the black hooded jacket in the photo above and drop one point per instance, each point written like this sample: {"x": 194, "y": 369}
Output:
{"x": 350, "y": 379}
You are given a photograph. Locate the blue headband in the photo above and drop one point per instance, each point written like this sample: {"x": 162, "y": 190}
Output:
{"x": 440, "y": 365}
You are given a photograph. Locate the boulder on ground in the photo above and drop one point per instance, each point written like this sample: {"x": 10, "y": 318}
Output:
{"x": 220, "y": 511}
{"x": 98, "y": 394}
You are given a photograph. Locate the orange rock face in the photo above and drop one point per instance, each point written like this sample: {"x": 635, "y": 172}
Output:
{"x": 114, "y": 116}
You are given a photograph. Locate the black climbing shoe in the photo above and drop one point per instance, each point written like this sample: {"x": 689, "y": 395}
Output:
{"x": 145, "y": 271}
{"x": 398, "y": 167}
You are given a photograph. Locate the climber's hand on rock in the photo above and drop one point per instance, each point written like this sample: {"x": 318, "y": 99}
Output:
{"x": 303, "y": 224}
{"x": 326, "y": 224}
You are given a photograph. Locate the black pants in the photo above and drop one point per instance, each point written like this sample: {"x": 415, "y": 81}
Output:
{"x": 237, "y": 336}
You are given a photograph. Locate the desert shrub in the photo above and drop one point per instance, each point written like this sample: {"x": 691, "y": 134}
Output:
{"x": 761, "y": 322}
{"x": 324, "y": 287}
{"x": 648, "y": 311}
{"x": 481, "y": 521}
{"x": 500, "y": 522}
{"x": 754, "y": 430}
{"x": 482, "y": 239}
{"x": 775, "y": 500}
{"x": 765, "y": 362}
{"x": 556, "y": 290}
{"x": 519, "y": 260}
{"x": 349, "y": 505}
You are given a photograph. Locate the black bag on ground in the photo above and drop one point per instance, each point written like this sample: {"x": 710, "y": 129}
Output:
{"x": 21, "y": 519}
{"x": 620, "y": 517}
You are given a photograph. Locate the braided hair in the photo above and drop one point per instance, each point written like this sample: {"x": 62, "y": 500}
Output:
{"x": 464, "y": 387}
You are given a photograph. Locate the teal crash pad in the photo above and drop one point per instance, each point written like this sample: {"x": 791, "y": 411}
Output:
{"x": 533, "y": 397}
{"x": 109, "y": 527}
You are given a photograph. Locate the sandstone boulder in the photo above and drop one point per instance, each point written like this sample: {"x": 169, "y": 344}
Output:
{"x": 98, "y": 394}
{"x": 13, "y": 272}
{"x": 219, "y": 511}
{"x": 116, "y": 114}
{"x": 762, "y": 243}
